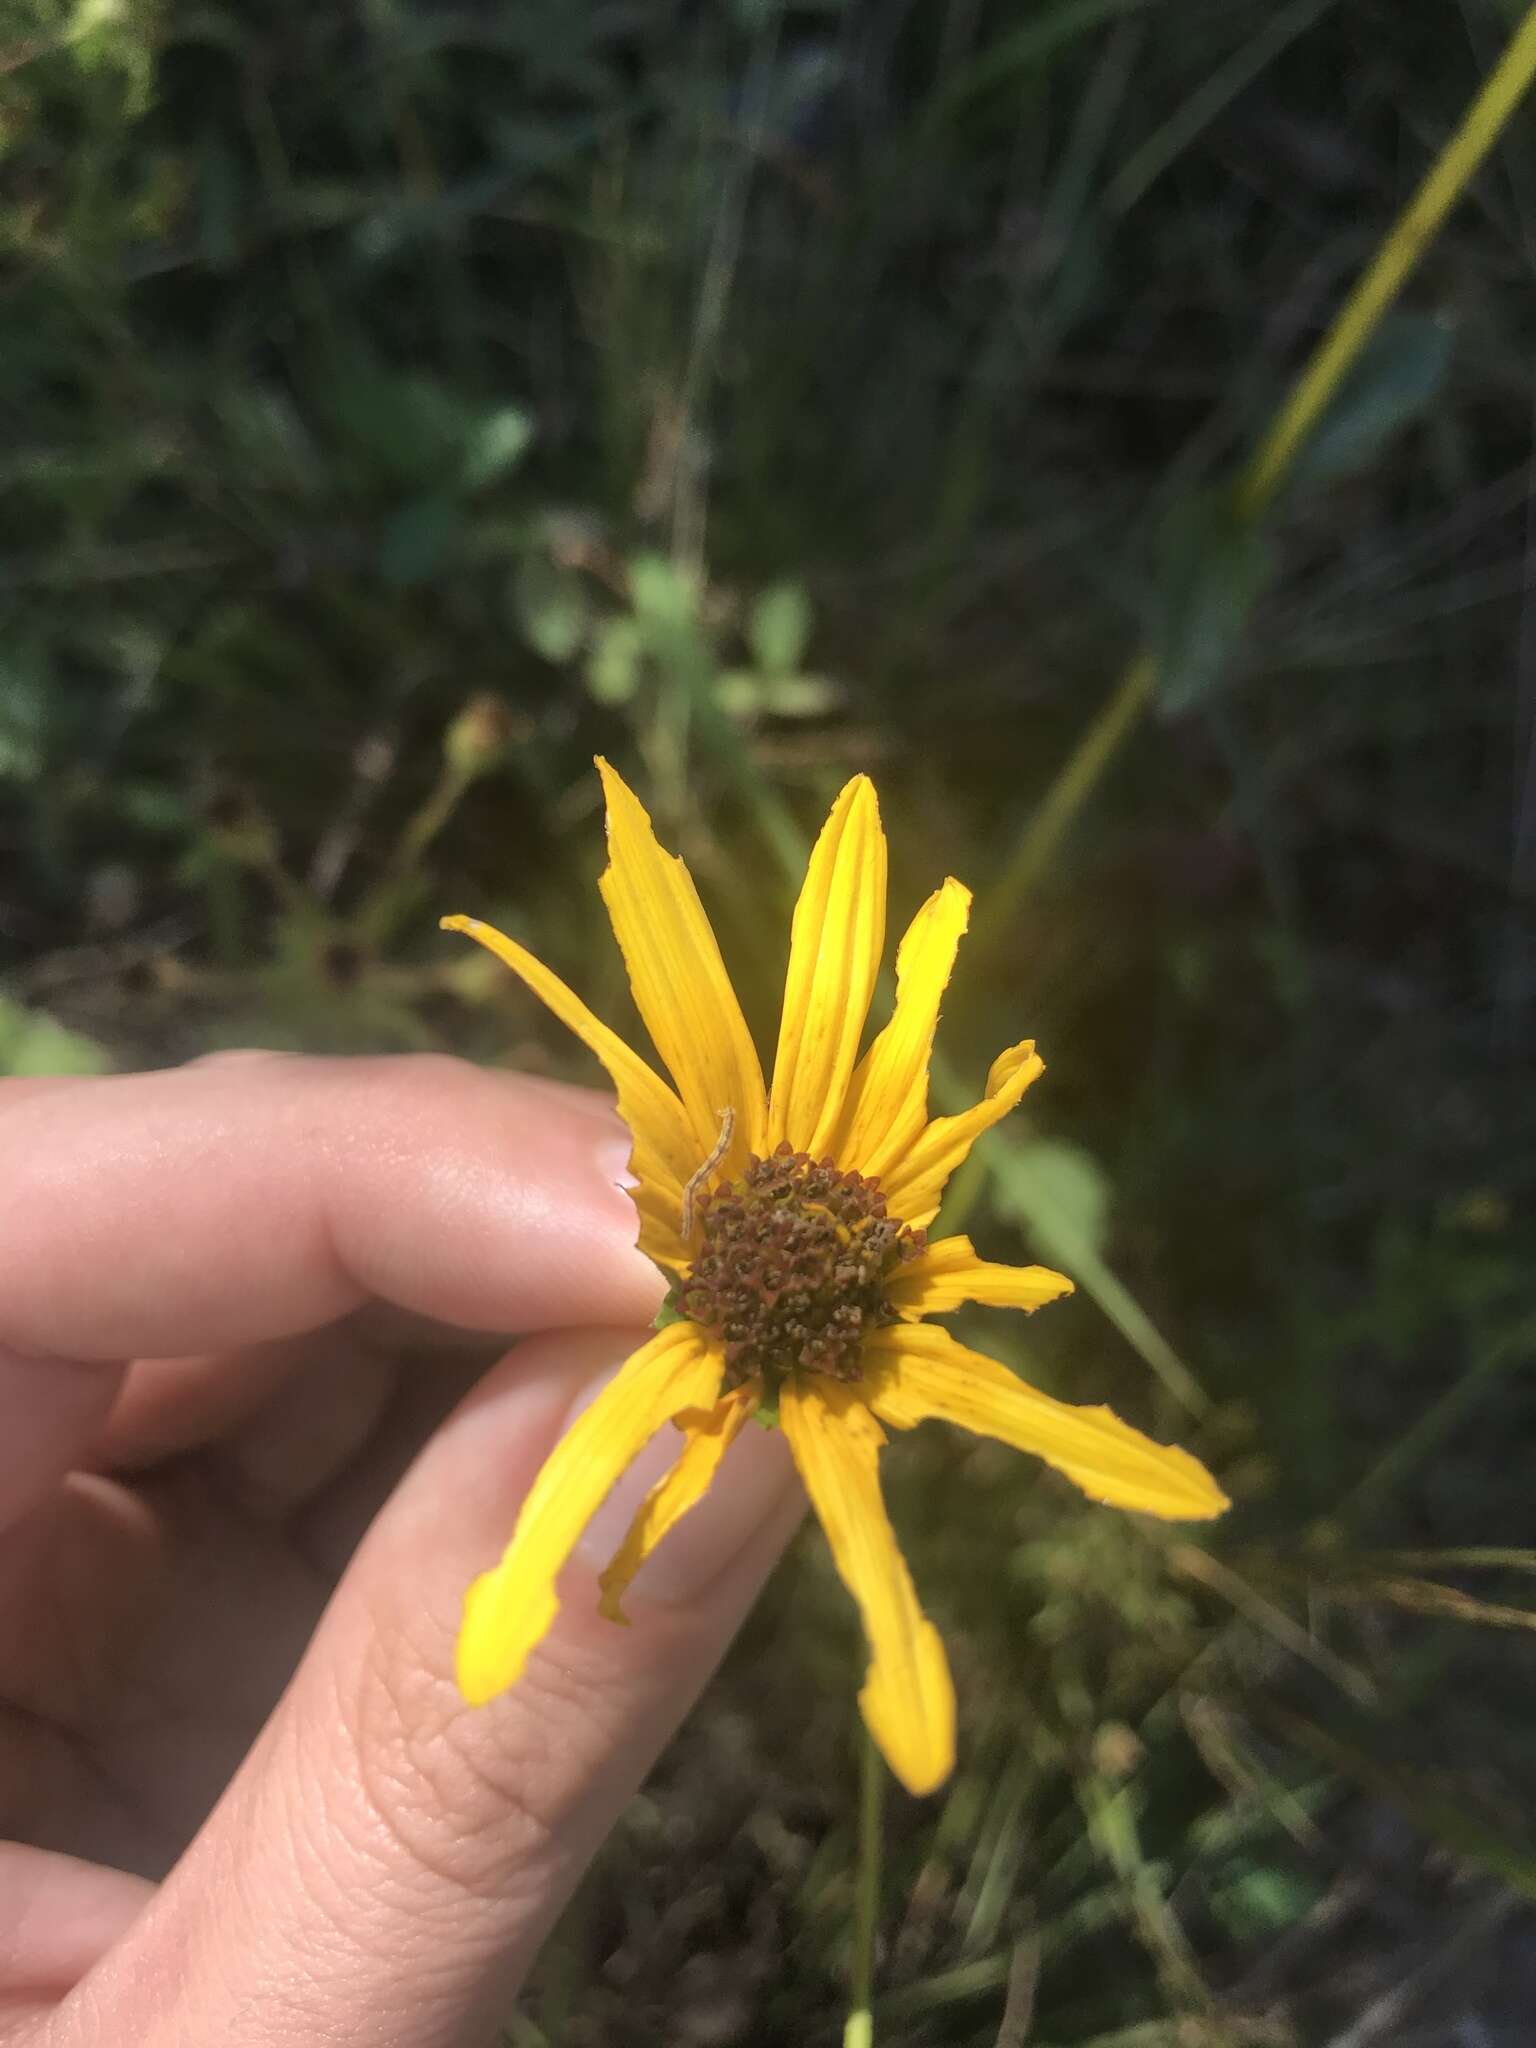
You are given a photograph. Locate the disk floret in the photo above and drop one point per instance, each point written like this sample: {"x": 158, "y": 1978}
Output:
{"x": 791, "y": 1274}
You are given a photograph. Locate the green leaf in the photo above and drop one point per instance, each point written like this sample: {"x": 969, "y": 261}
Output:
{"x": 1061, "y": 1194}
{"x": 739, "y": 693}
{"x": 1397, "y": 377}
{"x": 743, "y": 693}
{"x": 405, "y": 430}
{"x": 267, "y": 439}
{"x": 219, "y": 199}
{"x": 23, "y": 719}
{"x": 496, "y": 443}
{"x": 1211, "y": 567}
{"x": 551, "y": 606}
{"x": 1261, "y": 1900}
{"x": 660, "y": 593}
{"x": 778, "y": 628}
{"x": 1006, "y": 63}
{"x": 32, "y": 1043}
{"x": 152, "y": 806}
{"x": 613, "y": 666}
{"x": 416, "y": 539}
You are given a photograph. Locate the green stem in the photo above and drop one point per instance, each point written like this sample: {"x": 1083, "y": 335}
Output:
{"x": 1271, "y": 462}
{"x": 1411, "y": 234}
{"x": 378, "y": 914}
{"x": 859, "y": 2032}
{"x": 1067, "y": 795}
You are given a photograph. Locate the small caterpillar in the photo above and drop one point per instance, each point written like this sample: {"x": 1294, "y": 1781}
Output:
{"x": 722, "y": 1145}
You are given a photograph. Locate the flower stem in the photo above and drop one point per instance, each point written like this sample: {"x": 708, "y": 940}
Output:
{"x": 1410, "y": 235}
{"x": 859, "y": 2032}
{"x": 1066, "y": 796}
{"x": 1272, "y": 461}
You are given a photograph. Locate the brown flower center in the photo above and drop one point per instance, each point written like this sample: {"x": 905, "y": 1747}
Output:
{"x": 792, "y": 1271}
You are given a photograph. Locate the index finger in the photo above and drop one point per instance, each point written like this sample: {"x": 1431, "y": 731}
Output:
{"x": 224, "y": 1204}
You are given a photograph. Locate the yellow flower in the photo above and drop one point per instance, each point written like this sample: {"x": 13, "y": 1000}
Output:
{"x": 792, "y": 1219}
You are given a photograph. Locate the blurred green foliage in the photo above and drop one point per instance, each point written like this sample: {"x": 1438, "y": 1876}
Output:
{"x": 404, "y": 402}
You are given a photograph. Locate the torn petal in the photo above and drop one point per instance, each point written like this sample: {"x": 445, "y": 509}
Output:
{"x": 509, "y": 1609}
{"x": 949, "y": 1273}
{"x": 708, "y": 1434}
{"x": 914, "y": 1184}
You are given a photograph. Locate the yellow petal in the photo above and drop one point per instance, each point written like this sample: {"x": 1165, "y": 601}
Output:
{"x": 664, "y": 1154}
{"x": 949, "y": 1273}
{"x": 681, "y": 988}
{"x": 908, "y": 1701}
{"x": 708, "y": 1434}
{"x": 914, "y": 1183}
{"x": 660, "y": 1239}
{"x": 914, "y": 1371}
{"x": 834, "y": 956}
{"x": 509, "y": 1609}
{"x": 888, "y": 1099}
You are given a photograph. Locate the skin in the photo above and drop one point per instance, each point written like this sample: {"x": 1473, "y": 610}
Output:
{"x": 259, "y": 1427}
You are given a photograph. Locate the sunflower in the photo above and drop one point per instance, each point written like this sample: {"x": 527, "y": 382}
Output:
{"x": 791, "y": 1219}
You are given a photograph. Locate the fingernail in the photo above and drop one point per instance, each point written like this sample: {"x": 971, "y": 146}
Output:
{"x": 613, "y": 1155}
{"x": 755, "y": 1478}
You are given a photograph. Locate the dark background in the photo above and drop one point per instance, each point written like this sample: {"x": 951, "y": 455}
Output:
{"x": 402, "y": 402}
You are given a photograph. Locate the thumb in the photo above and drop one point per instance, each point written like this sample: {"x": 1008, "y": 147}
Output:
{"x": 387, "y": 1860}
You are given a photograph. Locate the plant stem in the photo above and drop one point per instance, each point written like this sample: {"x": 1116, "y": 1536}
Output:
{"x": 1271, "y": 462}
{"x": 378, "y": 914}
{"x": 859, "y": 2031}
{"x": 1410, "y": 235}
{"x": 1066, "y": 796}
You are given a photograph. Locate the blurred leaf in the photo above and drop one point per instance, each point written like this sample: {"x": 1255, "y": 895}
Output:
{"x": 739, "y": 693}
{"x": 778, "y": 628}
{"x": 745, "y": 694}
{"x": 1444, "y": 1816}
{"x": 1426, "y": 1596}
{"x": 32, "y": 1043}
{"x": 153, "y": 806}
{"x": 551, "y": 605}
{"x": 416, "y": 539}
{"x": 1211, "y": 567}
{"x": 406, "y": 429}
{"x": 496, "y": 444}
{"x": 269, "y": 440}
{"x": 23, "y": 705}
{"x": 613, "y": 667}
{"x": 534, "y": 142}
{"x": 218, "y": 202}
{"x": 1012, "y": 57}
{"x": 753, "y": 16}
{"x": 1062, "y": 1195}
{"x": 410, "y": 429}
{"x": 1260, "y": 1901}
{"x": 661, "y": 593}
{"x": 1461, "y": 1557}
{"x": 1398, "y": 375}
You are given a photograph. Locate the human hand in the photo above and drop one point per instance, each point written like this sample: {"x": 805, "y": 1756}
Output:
{"x": 231, "y": 1568}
